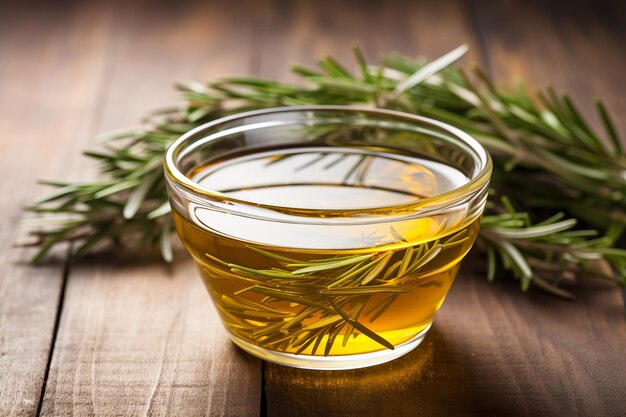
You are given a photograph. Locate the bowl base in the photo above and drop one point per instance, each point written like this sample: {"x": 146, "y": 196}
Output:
{"x": 330, "y": 362}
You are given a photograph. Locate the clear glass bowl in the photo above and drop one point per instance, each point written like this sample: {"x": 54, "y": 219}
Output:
{"x": 327, "y": 236}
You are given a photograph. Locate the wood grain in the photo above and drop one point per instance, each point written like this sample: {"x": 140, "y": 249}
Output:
{"x": 303, "y": 31}
{"x": 576, "y": 47}
{"x": 576, "y": 366}
{"x": 135, "y": 338}
{"x": 50, "y": 79}
{"x": 391, "y": 389}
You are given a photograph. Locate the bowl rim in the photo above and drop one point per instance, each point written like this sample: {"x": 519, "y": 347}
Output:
{"x": 458, "y": 195}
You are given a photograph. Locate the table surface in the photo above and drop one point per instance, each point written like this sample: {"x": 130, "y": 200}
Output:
{"x": 116, "y": 335}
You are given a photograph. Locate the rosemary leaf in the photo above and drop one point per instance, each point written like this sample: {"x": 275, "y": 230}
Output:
{"x": 332, "y": 265}
{"x": 371, "y": 289}
{"x": 360, "y": 327}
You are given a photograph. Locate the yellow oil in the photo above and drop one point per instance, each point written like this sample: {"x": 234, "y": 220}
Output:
{"x": 299, "y": 288}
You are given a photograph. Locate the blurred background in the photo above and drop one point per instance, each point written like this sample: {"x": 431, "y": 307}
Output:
{"x": 106, "y": 63}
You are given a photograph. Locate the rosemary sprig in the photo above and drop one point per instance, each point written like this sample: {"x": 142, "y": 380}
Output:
{"x": 331, "y": 292}
{"x": 547, "y": 159}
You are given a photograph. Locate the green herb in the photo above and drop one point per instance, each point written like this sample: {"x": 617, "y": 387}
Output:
{"x": 547, "y": 160}
{"x": 329, "y": 303}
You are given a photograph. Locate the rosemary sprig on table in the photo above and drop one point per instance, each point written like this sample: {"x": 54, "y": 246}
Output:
{"x": 332, "y": 294}
{"x": 547, "y": 160}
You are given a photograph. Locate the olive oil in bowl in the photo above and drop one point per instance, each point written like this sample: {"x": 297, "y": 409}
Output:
{"x": 327, "y": 237}
{"x": 299, "y": 292}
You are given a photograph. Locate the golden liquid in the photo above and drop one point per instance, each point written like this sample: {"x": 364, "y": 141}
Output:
{"x": 287, "y": 309}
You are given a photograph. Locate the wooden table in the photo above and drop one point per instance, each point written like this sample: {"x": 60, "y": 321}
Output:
{"x": 115, "y": 336}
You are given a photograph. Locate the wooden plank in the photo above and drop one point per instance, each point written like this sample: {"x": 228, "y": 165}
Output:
{"x": 137, "y": 340}
{"x": 492, "y": 349}
{"x": 533, "y": 354}
{"x": 302, "y": 31}
{"x": 572, "y": 46}
{"x": 136, "y": 337}
{"x": 46, "y": 111}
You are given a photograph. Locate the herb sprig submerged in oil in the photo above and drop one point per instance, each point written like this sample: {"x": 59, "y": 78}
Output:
{"x": 344, "y": 290}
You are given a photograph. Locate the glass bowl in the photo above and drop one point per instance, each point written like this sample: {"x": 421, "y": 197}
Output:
{"x": 327, "y": 236}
